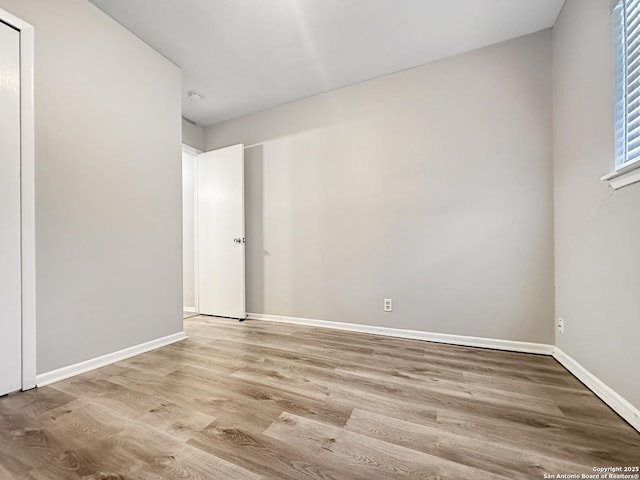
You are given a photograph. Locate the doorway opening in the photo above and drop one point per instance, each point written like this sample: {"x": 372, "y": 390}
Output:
{"x": 189, "y": 165}
{"x": 213, "y": 232}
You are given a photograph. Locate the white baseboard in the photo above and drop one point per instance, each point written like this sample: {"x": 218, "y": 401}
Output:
{"x": 189, "y": 309}
{"x": 621, "y": 406}
{"x": 494, "y": 343}
{"x": 82, "y": 367}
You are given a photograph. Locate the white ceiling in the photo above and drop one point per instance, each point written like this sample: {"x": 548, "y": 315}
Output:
{"x": 248, "y": 55}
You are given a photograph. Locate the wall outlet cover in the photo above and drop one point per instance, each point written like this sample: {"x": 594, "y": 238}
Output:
{"x": 388, "y": 305}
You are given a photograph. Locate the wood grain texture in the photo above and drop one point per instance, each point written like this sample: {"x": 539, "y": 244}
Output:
{"x": 257, "y": 400}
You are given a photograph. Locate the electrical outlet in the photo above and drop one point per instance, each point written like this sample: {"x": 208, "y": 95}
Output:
{"x": 388, "y": 305}
{"x": 561, "y": 326}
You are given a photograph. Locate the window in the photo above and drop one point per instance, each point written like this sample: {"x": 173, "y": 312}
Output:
{"x": 626, "y": 40}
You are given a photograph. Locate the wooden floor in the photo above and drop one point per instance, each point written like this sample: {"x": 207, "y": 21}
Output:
{"x": 273, "y": 401}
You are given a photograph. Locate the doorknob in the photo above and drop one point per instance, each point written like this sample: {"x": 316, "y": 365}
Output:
{"x": 238, "y": 240}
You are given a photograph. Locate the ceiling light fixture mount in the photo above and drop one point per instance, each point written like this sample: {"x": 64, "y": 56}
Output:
{"x": 195, "y": 96}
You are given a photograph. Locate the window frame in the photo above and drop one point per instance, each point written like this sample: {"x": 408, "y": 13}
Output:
{"x": 626, "y": 171}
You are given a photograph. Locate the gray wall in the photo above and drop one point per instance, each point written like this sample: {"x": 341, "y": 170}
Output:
{"x": 108, "y": 201}
{"x": 597, "y": 230}
{"x": 192, "y": 135}
{"x": 432, "y": 187}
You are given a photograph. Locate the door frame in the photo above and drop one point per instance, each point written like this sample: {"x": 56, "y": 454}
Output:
{"x": 27, "y": 197}
{"x": 195, "y": 152}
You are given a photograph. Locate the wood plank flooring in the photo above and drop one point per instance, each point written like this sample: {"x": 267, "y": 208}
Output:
{"x": 259, "y": 400}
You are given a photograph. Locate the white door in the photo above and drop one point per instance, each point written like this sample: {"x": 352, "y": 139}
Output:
{"x": 10, "y": 288}
{"x": 220, "y": 232}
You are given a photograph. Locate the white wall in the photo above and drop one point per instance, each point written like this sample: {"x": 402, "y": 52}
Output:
{"x": 188, "y": 237}
{"x": 431, "y": 186}
{"x": 108, "y": 195}
{"x": 597, "y": 230}
{"x": 192, "y": 135}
